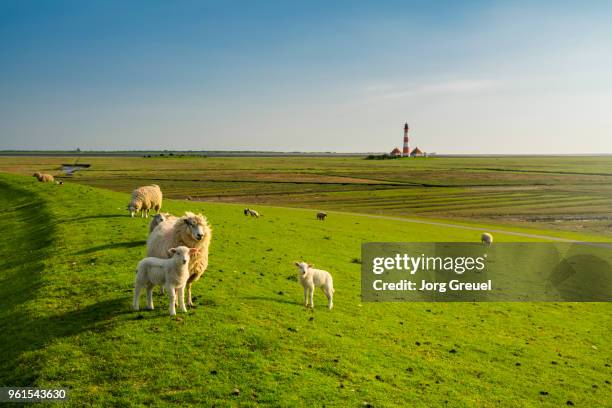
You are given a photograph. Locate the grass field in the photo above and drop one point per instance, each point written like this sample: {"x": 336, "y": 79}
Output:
{"x": 561, "y": 193}
{"x": 68, "y": 255}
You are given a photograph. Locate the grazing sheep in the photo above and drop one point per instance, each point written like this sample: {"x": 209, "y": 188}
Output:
{"x": 311, "y": 278}
{"x": 252, "y": 213}
{"x": 171, "y": 273}
{"x": 44, "y": 178}
{"x": 321, "y": 216}
{"x": 189, "y": 230}
{"x": 144, "y": 199}
{"x": 158, "y": 219}
{"x": 486, "y": 238}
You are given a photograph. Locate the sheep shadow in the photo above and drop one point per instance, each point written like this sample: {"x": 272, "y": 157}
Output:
{"x": 271, "y": 299}
{"x": 117, "y": 245}
{"x": 95, "y": 217}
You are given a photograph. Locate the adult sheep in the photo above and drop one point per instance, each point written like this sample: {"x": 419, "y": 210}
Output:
{"x": 144, "y": 199}
{"x": 486, "y": 238}
{"x": 44, "y": 178}
{"x": 190, "y": 230}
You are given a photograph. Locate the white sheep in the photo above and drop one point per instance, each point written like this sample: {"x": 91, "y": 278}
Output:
{"x": 252, "y": 213}
{"x": 155, "y": 221}
{"x": 144, "y": 199}
{"x": 311, "y": 278}
{"x": 158, "y": 219}
{"x": 189, "y": 230}
{"x": 486, "y": 238}
{"x": 171, "y": 273}
{"x": 44, "y": 178}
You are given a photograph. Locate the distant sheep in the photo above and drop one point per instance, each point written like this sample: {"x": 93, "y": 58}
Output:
{"x": 311, "y": 278}
{"x": 321, "y": 216}
{"x": 252, "y": 213}
{"x": 171, "y": 273}
{"x": 144, "y": 199}
{"x": 44, "y": 178}
{"x": 158, "y": 219}
{"x": 486, "y": 238}
{"x": 190, "y": 230}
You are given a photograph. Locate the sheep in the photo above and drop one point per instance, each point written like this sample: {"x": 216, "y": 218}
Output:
{"x": 145, "y": 198}
{"x": 158, "y": 219}
{"x": 252, "y": 213}
{"x": 43, "y": 178}
{"x": 311, "y": 278}
{"x": 321, "y": 216}
{"x": 190, "y": 230}
{"x": 486, "y": 238}
{"x": 172, "y": 273}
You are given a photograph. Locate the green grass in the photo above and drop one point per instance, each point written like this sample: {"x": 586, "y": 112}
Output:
{"x": 561, "y": 193}
{"x": 68, "y": 255}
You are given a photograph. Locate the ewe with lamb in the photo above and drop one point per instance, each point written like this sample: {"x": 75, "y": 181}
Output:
{"x": 190, "y": 230}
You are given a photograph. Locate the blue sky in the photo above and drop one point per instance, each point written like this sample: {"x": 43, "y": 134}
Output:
{"x": 469, "y": 77}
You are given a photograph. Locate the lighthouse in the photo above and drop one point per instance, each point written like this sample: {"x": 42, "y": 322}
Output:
{"x": 406, "y": 149}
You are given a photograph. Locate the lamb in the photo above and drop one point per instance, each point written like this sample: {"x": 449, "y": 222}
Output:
{"x": 311, "y": 278}
{"x": 158, "y": 219}
{"x": 145, "y": 198}
{"x": 44, "y": 178}
{"x": 321, "y": 216}
{"x": 486, "y": 238}
{"x": 172, "y": 273}
{"x": 189, "y": 230}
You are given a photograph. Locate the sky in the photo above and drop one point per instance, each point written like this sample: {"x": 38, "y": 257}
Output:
{"x": 485, "y": 77}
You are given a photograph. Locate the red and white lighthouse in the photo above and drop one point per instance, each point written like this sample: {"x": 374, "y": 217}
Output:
{"x": 406, "y": 149}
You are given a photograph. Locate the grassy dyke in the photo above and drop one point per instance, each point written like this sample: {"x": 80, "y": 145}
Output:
{"x": 68, "y": 257}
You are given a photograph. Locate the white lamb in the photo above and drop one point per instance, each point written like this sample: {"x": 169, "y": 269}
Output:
{"x": 171, "y": 273}
{"x": 158, "y": 219}
{"x": 486, "y": 238}
{"x": 311, "y": 278}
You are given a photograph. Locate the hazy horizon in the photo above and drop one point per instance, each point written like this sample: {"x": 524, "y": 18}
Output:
{"x": 470, "y": 77}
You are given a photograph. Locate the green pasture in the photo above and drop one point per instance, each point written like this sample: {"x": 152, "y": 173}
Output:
{"x": 570, "y": 193}
{"x": 67, "y": 264}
